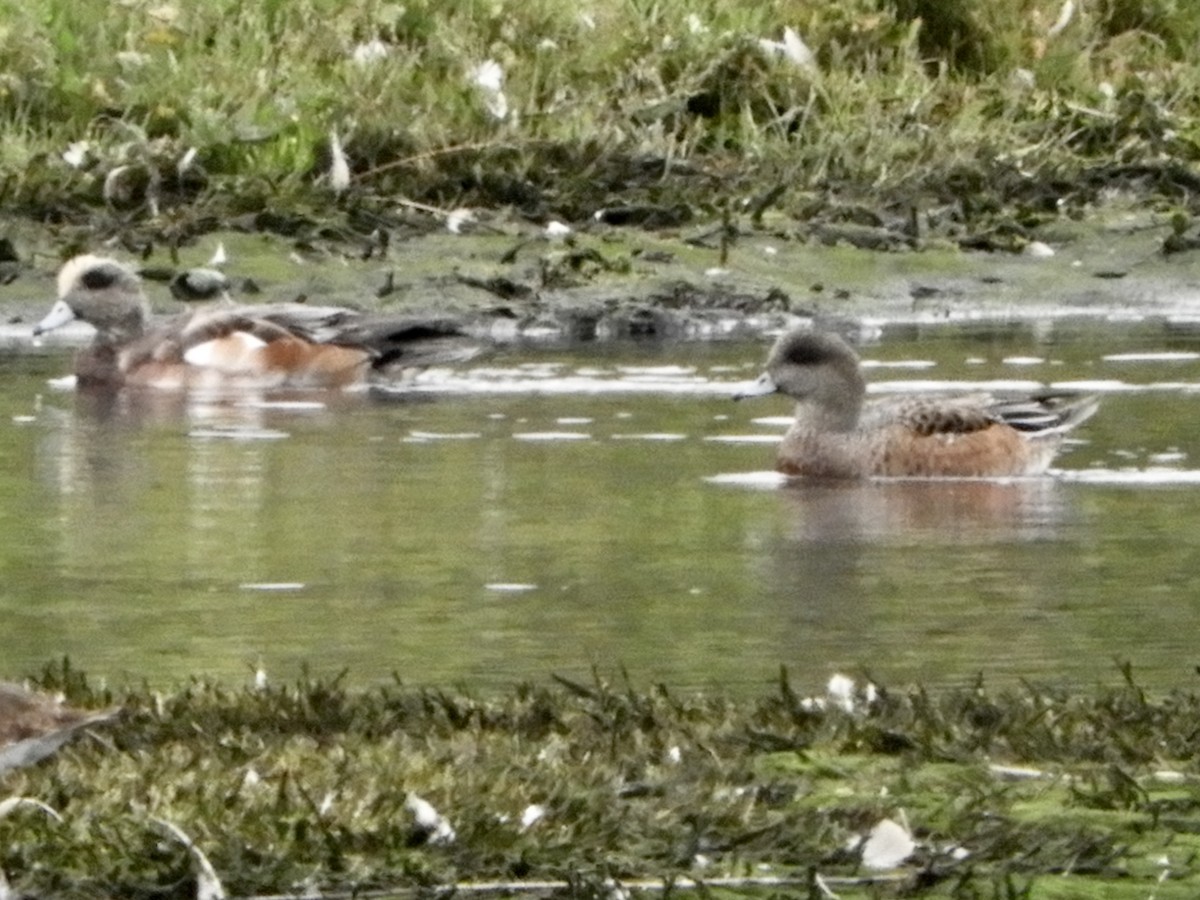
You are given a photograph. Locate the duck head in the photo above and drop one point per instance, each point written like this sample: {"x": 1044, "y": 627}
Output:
{"x": 102, "y": 292}
{"x": 819, "y": 371}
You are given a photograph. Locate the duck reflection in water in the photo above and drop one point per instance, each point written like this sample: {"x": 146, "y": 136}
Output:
{"x": 915, "y": 579}
{"x": 923, "y": 514}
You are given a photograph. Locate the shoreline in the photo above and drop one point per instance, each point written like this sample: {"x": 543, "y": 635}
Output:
{"x": 607, "y": 283}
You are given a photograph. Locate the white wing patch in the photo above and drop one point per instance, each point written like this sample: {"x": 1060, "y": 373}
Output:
{"x": 235, "y": 353}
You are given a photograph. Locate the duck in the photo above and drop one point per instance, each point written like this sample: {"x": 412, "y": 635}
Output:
{"x": 293, "y": 345}
{"x": 33, "y": 725}
{"x": 837, "y": 433}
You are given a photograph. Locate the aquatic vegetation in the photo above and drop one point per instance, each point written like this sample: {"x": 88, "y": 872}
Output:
{"x": 586, "y": 787}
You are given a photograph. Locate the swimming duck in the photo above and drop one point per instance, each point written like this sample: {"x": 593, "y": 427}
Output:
{"x": 261, "y": 346}
{"x": 837, "y": 434}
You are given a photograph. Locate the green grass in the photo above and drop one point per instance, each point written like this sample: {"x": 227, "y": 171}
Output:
{"x": 674, "y": 103}
{"x": 306, "y": 784}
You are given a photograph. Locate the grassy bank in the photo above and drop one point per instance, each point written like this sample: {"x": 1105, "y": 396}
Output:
{"x": 169, "y": 119}
{"x": 576, "y": 789}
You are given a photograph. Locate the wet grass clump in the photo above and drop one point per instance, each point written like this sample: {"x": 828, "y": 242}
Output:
{"x": 585, "y": 789}
{"x": 173, "y": 119}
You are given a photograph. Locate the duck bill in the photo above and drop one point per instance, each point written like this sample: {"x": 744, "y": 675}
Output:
{"x": 60, "y": 314}
{"x": 759, "y": 387}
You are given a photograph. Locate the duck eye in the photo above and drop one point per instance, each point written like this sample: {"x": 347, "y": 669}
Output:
{"x": 810, "y": 353}
{"x": 98, "y": 279}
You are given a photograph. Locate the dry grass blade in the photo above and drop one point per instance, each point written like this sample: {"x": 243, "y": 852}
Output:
{"x": 33, "y": 725}
{"x": 208, "y": 883}
{"x": 12, "y": 803}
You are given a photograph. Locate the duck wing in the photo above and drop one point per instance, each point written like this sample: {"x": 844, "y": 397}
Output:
{"x": 318, "y": 324}
{"x": 396, "y": 343}
{"x": 262, "y": 324}
{"x": 1047, "y": 413}
{"x": 222, "y": 336}
{"x": 391, "y": 341}
{"x": 1039, "y": 414}
{"x": 931, "y": 414}
{"x": 223, "y": 331}
{"x": 227, "y": 323}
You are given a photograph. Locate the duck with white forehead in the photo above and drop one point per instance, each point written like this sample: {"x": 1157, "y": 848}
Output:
{"x": 259, "y": 346}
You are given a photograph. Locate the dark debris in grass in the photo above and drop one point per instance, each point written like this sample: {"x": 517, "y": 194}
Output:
{"x": 584, "y": 785}
{"x": 983, "y": 205}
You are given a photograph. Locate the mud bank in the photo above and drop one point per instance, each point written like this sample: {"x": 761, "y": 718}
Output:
{"x": 512, "y": 281}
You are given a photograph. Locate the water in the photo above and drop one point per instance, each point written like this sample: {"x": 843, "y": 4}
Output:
{"x": 551, "y": 511}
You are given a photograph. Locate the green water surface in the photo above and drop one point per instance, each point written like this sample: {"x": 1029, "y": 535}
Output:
{"x": 437, "y": 541}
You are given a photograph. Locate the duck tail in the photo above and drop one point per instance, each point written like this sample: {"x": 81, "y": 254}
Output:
{"x": 1049, "y": 414}
{"x": 410, "y": 343}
